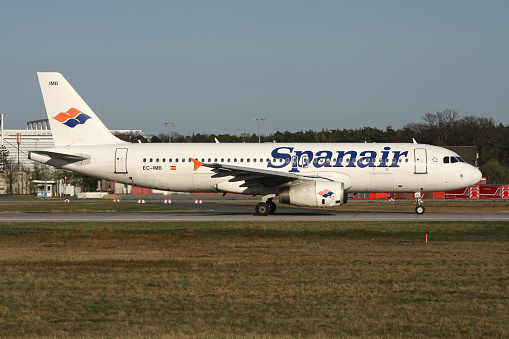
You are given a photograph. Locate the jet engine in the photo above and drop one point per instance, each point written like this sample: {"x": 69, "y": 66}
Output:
{"x": 314, "y": 194}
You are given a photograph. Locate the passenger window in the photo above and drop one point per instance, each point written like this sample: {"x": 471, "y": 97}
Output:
{"x": 151, "y": 159}
{"x": 183, "y": 160}
{"x": 202, "y": 160}
{"x": 144, "y": 159}
{"x": 176, "y": 159}
{"x": 157, "y": 159}
{"x": 215, "y": 159}
{"x": 164, "y": 159}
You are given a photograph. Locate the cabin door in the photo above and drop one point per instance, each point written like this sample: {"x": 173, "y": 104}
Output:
{"x": 121, "y": 160}
{"x": 420, "y": 160}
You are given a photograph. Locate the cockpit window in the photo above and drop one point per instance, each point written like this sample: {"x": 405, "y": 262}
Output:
{"x": 452, "y": 160}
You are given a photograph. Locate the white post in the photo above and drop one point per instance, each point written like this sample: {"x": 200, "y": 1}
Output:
{"x": 259, "y": 121}
{"x": 2, "y": 130}
{"x": 170, "y": 125}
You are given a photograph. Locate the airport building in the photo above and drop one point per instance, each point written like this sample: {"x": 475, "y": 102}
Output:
{"x": 36, "y": 136}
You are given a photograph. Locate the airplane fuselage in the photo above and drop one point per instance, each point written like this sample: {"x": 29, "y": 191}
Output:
{"x": 362, "y": 167}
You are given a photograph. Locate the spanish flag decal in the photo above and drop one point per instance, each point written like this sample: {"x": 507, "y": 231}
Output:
{"x": 173, "y": 168}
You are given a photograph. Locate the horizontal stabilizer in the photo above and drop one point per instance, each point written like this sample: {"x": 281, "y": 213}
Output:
{"x": 60, "y": 156}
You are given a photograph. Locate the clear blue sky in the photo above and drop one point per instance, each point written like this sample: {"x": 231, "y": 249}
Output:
{"x": 213, "y": 66}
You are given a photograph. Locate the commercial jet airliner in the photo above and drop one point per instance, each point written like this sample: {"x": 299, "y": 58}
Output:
{"x": 301, "y": 174}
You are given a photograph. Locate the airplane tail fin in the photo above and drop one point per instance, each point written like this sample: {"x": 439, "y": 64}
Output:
{"x": 72, "y": 121}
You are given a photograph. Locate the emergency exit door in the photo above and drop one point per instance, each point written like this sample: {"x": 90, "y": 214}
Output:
{"x": 420, "y": 161}
{"x": 121, "y": 160}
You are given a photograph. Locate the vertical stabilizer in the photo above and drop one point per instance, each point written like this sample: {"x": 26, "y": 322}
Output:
{"x": 72, "y": 121}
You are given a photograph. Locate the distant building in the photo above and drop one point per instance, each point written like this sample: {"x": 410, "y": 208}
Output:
{"x": 467, "y": 153}
{"x": 37, "y": 136}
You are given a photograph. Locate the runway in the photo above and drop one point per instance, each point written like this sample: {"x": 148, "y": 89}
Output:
{"x": 238, "y": 212}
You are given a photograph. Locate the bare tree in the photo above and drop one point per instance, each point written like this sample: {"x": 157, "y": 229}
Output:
{"x": 440, "y": 125}
{"x": 10, "y": 174}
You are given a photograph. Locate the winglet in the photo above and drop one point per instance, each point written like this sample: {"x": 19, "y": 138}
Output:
{"x": 197, "y": 164}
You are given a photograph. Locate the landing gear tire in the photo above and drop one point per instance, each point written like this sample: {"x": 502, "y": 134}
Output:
{"x": 419, "y": 210}
{"x": 272, "y": 206}
{"x": 263, "y": 208}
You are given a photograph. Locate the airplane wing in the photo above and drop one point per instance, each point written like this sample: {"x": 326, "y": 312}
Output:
{"x": 253, "y": 176}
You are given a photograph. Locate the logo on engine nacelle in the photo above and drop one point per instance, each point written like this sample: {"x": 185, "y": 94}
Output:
{"x": 325, "y": 193}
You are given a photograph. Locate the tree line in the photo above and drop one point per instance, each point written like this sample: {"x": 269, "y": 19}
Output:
{"x": 444, "y": 128}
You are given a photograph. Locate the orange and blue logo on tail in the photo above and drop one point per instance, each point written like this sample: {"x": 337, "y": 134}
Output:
{"x": 72, "y": 117}
{"x": 325, "y": 193}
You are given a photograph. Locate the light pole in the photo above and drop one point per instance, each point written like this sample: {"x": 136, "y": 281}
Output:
{"x": 259, "y": 121}
{"x": 169, "y": 125}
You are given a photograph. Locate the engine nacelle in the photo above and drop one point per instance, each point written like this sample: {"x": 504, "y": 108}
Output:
{"x": 314, "y": 194}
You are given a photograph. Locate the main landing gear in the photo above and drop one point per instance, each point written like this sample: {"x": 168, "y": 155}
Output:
{"x": 265, "y": 208}
{"x": 418, "y": 200}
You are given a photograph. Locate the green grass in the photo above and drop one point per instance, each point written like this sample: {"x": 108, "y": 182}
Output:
{"x": 188, "y": 279}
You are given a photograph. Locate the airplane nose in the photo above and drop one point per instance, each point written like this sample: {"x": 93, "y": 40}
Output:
{"x": 475, "y": 175}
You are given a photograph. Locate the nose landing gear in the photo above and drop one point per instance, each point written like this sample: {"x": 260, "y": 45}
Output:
{"x": 418, "y": 200}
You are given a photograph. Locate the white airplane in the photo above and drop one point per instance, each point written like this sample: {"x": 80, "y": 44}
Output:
{"x": 301, "y": 174}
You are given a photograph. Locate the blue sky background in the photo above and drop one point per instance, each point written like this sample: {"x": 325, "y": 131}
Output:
{"x": 213, "y": 66}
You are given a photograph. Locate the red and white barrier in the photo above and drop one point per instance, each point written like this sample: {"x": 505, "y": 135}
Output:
{"x": 197, "y": 201}
{"x": 167, "y": 201}
{"x": 505, "y": 192}
{"x": 141, "y": 201}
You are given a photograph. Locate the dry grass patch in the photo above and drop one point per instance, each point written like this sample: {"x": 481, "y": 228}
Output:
{"x": 254, "y": 280}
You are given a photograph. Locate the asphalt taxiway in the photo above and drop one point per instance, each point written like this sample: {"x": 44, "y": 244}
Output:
{"x": 240, "y": 212}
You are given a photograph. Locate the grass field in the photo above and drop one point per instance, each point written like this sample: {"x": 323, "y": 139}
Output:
{"x": 336, "y": 279}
